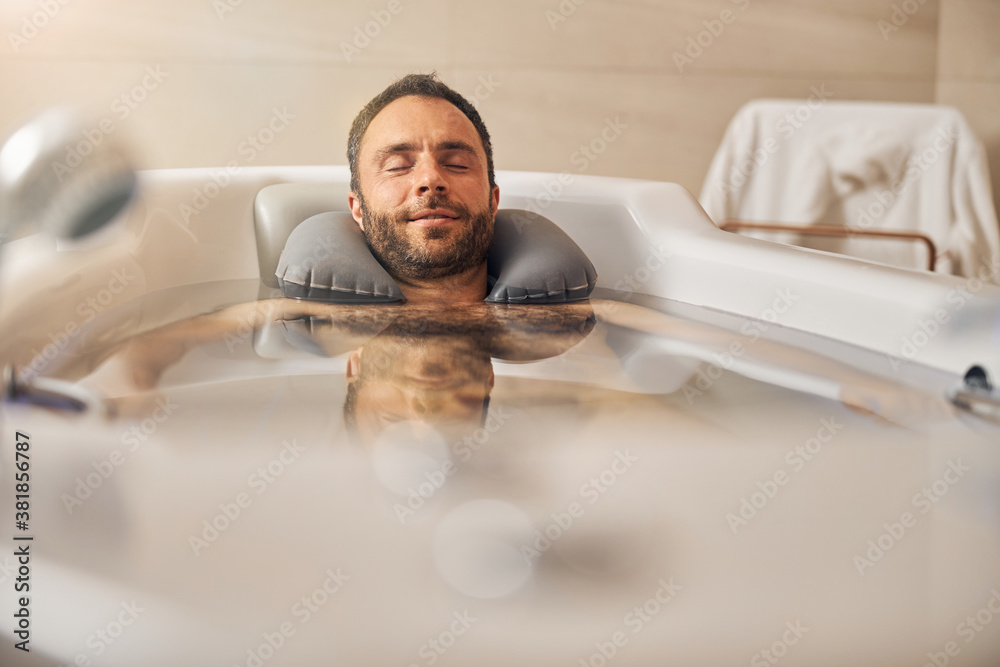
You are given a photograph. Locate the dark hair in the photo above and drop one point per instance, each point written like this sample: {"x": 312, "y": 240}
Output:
{"x": 421, "y": 85}
{"x": 351, "y": 408}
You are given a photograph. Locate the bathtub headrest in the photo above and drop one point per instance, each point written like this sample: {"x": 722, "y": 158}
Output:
{"x": 327, "y": 258}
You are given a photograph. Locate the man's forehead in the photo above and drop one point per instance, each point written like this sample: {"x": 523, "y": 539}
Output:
{"x": 420, "y": 118}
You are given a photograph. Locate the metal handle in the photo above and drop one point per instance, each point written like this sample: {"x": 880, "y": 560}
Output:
{"x": 829, "y": 230}
{"x": 53, "y": 394}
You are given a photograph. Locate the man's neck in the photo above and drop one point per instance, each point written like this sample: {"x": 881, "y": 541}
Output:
{"x": 467, "y": 287}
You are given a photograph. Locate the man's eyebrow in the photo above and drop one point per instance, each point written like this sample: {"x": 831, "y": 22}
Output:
{"x": 385, "y": 152}
{"x": 456, "y": 146}
{"x": 406, "y": 147}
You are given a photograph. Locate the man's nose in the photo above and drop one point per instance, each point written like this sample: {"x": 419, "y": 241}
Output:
{"x": 418, "y": 406}
{"x": 430, "y": 179}
{"x": 424, "y": 403}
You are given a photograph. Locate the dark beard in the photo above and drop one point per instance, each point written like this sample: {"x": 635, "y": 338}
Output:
{"x": 405, "y": 259}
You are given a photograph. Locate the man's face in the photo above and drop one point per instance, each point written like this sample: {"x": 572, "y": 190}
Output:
{"x": 426, "y": 206}
{"x": 438, "y": 380}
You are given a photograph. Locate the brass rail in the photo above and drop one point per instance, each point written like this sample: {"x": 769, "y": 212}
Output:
{"x": 829, "y": 230}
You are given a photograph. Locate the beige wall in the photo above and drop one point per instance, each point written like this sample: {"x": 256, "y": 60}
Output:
{"x": 548, "y": 75}
{"x": 968, "y": 71}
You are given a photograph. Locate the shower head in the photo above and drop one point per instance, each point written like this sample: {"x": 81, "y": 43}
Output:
{"x": 55, "y": 174}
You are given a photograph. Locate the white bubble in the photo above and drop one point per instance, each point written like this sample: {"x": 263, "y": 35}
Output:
{"x": 477, "y": 548}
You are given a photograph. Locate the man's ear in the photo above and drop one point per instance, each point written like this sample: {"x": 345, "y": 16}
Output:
{"x": 355, "y": 203}
{"x": 496, "y": 199}
{"x": 353, "y": 365}
{"x": 491, "y": 380}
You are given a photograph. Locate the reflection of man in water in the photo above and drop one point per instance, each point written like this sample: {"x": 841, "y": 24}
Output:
{"x": 427, "y": 368}
{"x": 438, "y": 377}
{"x": 423, "y": 190}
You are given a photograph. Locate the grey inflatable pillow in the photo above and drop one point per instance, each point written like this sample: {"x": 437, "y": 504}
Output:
{"x": 326, "y": 258}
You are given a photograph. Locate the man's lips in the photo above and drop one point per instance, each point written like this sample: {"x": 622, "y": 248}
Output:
{"x": 436, "y": 216}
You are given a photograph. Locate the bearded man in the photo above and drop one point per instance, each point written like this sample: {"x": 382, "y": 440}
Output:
{"x": 423, "y": 189}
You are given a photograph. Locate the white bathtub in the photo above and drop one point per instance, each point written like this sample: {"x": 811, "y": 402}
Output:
{"x": 758, "y": 513}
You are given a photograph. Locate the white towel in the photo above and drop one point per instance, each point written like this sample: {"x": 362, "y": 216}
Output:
{"x": 905, "y": 167}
